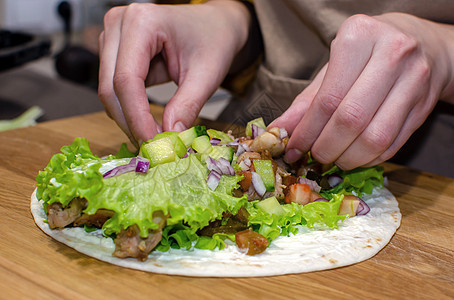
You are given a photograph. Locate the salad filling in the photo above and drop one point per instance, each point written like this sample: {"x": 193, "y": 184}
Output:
{"x": 198, "y": 189}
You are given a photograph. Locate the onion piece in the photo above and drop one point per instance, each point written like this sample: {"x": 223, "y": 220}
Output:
{"x": 334, "y": 180}
{"x": 283, "y": 133}
{"x": 311, "y": 183}
{"x": 242, "y": 147}
{"x": 215, "y": 141}
{"x": 321, "y": 200}
{"x": 212, "y": 165}
{"x": 235, "y": 142}
{"x": 129, "y": 167}
{"x": 213, "y": 180}
{"x": 142, "y": 164}
{"x": 363, "y": 208}
{"x": 258, "y": 184}
{"x": 256, "y": 130}
{"x": 225, "y": 166}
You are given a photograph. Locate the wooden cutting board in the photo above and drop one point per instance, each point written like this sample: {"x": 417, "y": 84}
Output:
{"x": 418, "y": 263}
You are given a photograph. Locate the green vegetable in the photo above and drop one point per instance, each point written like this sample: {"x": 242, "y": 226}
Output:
{"x": 358, "y": 181}
{"x": 221, "y": 151}
{"x": 264, "y": 168}
{"x": 202, "y": 144}
{"x": 179, "y": 147}
{"x": 177, "y": 188}
{"x": 190, "y": 134}
{"x": 216, "y": 134}
{"x": 28, "y": 118}
{"x": 158, "y": 151}
{"x": 258, "y": 122}
{"x": 271, "y": 206}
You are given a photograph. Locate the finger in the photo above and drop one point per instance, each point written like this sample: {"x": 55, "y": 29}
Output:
{"x": 109, "y": 42}
{"x": 342, "y": 72}
{"x": 406, "y": 107}
{"x": 136, "y": 50}
{"x": 357, "y": 109}
{"x": 413, "y": 122}
{"x": 195, "y": 87}
{"x": 292, "y": 116}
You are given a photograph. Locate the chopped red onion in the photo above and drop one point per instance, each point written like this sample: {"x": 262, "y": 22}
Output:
{"x": 130, "y": 167}
{"x": 221, "y": 166}
{"x": 242, "y": 147}
{"x": 243, "y": 166}
{"x": 226, "y": 167}
{"x": 258, "y": 184}
{"x": 363, "y": 208}
{"x": 283, "y": 133}
{"x": 321, "y": 200}
{"x": 212, "y": 165}
{"x": 213, "y": 180}
{"x": 334, "y": 180}
{"x": 256, "y": 130}
{"x": 235, "y": 142}
{"x": 311, "y": 183}
{"x": 142, "y": 164}
{"x": 215, "y": 141}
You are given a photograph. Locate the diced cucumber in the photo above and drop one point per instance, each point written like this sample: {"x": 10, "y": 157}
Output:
{"x": 159, "y": 151}
{"x": 201, "y": 144}
{"x": 259, "y": 122}
{"x": 190, "y": 134}
{"x": 222, "y": 151}
{"x": 216, "y": 134}
{"x": 264, "y": 168}
{"x": 180, "y": 148}
{"x": 271, "y": 205}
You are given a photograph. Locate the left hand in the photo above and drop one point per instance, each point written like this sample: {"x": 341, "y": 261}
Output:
{"x": 384, "y": 76}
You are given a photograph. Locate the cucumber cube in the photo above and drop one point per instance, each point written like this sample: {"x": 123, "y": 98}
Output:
{"x": 271, "y": 206}
{"x": 264, "y": 168}
{"x": 159, "y": 151}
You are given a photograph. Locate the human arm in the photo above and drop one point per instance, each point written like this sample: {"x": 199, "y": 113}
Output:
{"x": 147, "y": 44}
{"x": 384, "y": 76}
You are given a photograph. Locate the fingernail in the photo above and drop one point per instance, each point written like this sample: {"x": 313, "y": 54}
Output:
{"x": 179, "y": 126}
{"x": 292, "y": 155}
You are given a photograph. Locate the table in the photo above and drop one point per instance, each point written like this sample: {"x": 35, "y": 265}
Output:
{"x": 417, "y": 263}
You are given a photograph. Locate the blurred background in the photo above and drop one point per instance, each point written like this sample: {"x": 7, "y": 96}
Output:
{"x": 49, "y": 59}
{"x": 49, "y": 69}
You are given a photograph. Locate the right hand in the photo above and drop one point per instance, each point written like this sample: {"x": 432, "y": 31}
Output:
{"x": 147, "y": 44}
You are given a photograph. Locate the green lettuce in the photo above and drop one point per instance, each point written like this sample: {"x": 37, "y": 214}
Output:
{"x": 359, "y": 181}
{"x": 312, "y": 215}
{"x": 178, "y": 189}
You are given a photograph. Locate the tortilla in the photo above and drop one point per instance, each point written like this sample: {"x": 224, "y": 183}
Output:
{"x": 357, "y": 239}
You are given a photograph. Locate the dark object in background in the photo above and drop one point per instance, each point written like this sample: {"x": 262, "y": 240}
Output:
{"x": 75, "y": 63}
{"x": 17, "y": 48}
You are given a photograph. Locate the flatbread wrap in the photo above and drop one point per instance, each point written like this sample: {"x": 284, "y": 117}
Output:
{"x": 217, "y": 206}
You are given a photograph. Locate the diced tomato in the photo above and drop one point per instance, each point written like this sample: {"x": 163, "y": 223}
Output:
{"x": 299, "y": 193}
{"x": 251, "y": 242}
{"x": 349, "y": 205}
{"x": 245, "y": 183}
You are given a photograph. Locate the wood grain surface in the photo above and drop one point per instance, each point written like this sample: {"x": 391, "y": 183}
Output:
{"x": 418, "y": 263}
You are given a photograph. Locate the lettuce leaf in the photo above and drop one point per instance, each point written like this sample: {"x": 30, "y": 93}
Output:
{"x": 178, "y": 189}
{"x": 312, "y": 215}
{"x": 358, "y": 181}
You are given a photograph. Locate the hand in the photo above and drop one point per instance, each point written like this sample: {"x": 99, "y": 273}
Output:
{"x": 147, "y": 44}
{"x": 384, "y": 76}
